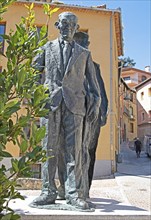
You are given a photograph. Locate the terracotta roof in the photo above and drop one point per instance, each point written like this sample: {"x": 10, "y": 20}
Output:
{"x": 125, "y": 84}
{"x": 143, "y": 83}
{"x": 135, "y": 69}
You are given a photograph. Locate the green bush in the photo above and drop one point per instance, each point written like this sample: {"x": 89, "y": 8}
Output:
{"x": 19, "y": 89}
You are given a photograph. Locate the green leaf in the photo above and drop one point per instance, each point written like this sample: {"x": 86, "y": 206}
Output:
{"x": 10, "y": 123}
{"x": 21, "y": 75}
{"x": 5, "y": 154}
{"x": 24, "y": 146}
{"x": 43, "y": 32}
{"x": 37, "y": 95}
{"x": 11, "y": 104}
{"x": 7, "y": 216}
{"x": 53, "y": 11}
{"x": 34, "y": 129}
{"x": 11, "y": 216}
{"x": 21, "y": 163}
{"x": 23, "y": 120}
{"x": 40, "y": 134}
{"x": 31, "y": 6}
{"x": 15, "y": 165}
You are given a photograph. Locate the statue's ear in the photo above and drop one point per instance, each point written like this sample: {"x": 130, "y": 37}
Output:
{"x": 78, "y": 26}
{"x": 57, "y": 24}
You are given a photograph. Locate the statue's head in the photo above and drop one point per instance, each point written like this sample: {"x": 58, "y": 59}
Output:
{"x": 67, "y": 25}
{"x": 82, "y": 39}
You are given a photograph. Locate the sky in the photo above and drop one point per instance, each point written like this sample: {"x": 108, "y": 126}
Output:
{"x": 136, "y": 22}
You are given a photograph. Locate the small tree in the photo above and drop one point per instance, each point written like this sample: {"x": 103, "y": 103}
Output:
{"x": 19, "y": 89}
{"x": 127, "y": 62}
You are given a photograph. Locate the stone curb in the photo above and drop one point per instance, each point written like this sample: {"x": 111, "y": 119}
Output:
{"x": 86, "y": 217}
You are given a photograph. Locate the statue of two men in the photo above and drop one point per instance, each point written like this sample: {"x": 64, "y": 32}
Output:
{"x": 70, "y": 77}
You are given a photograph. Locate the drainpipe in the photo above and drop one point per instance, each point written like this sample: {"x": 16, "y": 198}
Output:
{"x": 111, "y": 94}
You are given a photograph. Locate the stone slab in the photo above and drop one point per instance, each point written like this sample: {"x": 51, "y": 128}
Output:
{"x": 106, "y": 208}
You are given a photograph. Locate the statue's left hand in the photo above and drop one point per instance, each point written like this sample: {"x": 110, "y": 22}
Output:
{"x": 93, "y": 113}
{"x": 103, "y": 120}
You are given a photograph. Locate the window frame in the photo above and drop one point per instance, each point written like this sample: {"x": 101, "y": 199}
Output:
{"x": 3, "y": 41}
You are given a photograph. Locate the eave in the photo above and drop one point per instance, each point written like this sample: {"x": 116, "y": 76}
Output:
{"x": 102, "y": 10}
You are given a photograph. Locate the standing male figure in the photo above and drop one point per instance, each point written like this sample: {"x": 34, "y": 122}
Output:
{"x": 138, "y": 145}
{"x": 92, "y": 128}
{"x": 68, "y": 68}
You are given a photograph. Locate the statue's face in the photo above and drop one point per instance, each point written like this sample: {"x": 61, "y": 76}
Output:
{"x": 67, "y": 26}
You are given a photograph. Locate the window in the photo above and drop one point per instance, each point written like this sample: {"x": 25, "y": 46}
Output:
{"x": 142, "y": 95}
{"x": 131, "y": 127}
{"x": 131, "y": 97}
{"x": 149, "y": 92}
{"x": 2, "y": 31}
{"x": 127, "y": 78}
{"x": 143, "y": 116}
{"x": 149, "y": 112}
{"x": 144, "y": 78}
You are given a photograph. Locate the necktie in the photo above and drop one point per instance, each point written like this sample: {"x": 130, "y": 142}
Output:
{"x": 66, "y": 54}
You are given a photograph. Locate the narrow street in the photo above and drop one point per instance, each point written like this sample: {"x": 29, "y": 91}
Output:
{"x": 134, "y": 177}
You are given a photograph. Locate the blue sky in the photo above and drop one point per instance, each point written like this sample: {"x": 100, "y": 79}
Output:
{"x": 136, "y": 19}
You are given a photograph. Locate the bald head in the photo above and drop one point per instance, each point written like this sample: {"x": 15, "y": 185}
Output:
{"x": 67, "y": 25}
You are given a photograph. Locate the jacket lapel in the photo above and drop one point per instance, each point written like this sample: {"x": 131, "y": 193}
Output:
{"x": 76, "y": 52}
{"x": 56, "y": 52}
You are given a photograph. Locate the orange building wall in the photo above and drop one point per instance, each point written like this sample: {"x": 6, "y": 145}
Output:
{"x": 99, "y": 30}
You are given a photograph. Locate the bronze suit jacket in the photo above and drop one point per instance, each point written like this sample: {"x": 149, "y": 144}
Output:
{"x": 70, "y": 84}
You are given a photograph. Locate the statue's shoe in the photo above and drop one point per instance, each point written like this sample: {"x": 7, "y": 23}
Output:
{"x": 79, "y": 203}
{"x": 61, "y": 193}
{"x": 44, "y": 199}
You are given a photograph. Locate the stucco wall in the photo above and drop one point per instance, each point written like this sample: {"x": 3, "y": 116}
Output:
{"x": 103, "y": 46}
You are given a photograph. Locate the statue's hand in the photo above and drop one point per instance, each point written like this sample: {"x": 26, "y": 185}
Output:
{"x": 103, "y": 120}
{"x": 93, "y": 113}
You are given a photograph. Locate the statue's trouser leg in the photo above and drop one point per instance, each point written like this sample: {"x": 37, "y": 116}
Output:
{"x": 51, "y": 144}
{"x": 44, "y": 168}
{"x": 86, "y": 158}
{"x": 72, "y": 126}
{"x": 95, "y": 128}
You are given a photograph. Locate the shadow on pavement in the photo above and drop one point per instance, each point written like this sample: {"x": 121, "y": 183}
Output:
{"x": 111, "y": 205}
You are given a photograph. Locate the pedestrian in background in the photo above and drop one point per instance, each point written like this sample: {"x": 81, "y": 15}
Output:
{"x": 138, "y": 145}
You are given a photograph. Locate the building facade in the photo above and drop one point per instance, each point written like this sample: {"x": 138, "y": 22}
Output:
{"x": 128, "y": 113}
{"x": 105, "y": 34}
{"x": 144, "y": 108}
{"x": 133, "y": 76}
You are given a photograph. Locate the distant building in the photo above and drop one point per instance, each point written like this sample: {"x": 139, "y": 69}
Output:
{"x": 133, "y": 76}
{"x": 128, "y": 113}
{"x": 144, "y": 108}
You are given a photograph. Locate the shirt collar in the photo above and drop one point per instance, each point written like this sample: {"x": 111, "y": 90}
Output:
{"x": 63, "y": 42}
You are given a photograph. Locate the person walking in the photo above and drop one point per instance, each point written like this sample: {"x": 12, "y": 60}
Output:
{"x": 138, "y": 145}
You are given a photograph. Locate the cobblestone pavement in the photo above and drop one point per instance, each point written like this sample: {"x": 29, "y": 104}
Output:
{"x": 134, "y": 177}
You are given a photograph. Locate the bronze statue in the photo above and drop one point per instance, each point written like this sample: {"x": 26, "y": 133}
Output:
{"x": 69, "y": 76}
